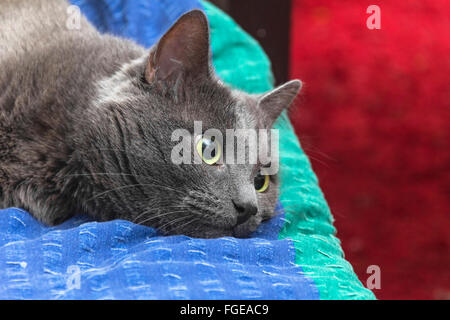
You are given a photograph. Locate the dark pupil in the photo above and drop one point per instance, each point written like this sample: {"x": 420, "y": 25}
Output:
{"x": 259, "y": 181}
{"x": 208, "y": 149}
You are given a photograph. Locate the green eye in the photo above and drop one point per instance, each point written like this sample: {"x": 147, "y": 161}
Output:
{"x": 209, "y": 150}
{"x": 261, "y": 182}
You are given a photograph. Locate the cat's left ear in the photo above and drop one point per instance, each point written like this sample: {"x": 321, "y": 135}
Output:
{"x": 274, "y": 102}
{"x": 183, "y": 51}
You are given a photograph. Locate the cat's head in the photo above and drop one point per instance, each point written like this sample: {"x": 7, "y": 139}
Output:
{"x": 130, "y": 159}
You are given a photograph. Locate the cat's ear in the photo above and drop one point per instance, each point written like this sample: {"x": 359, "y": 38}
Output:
{"x": 274, "y": 102}
{"x": 182, "y": 51}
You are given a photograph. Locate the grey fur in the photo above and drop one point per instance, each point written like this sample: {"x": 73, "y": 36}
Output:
{"x": 86, "y": 121}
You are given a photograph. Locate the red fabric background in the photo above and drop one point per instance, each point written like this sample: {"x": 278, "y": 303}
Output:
{"x": 374, "y": 118}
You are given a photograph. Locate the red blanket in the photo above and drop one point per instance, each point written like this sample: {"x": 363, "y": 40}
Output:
{"x": 375, "y": 120}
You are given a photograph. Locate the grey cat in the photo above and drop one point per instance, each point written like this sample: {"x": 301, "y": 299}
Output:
{"x": 86, "y": 122}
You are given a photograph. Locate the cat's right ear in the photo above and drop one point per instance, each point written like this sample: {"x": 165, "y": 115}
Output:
{"x": 183, "y": 51}
{"x": 274, "y": 102}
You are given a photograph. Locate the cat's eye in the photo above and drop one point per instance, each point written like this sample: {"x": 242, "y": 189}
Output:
{"x": 261, "y": 182}
{"x": 209, "y": 150}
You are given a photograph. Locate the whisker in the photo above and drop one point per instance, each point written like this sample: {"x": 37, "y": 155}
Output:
{"x": 161, "y": 208}
{"x": 159, "y": 216}
{"x": 128, "y": 174}
{"x": 111, "y": 190}
{"x": 186, "y": 224}
{"x": 173, "y": 222}
{"x": 106, "y": 174}
{"x": 135, "y": 186}
{"x": 145, "y": 212}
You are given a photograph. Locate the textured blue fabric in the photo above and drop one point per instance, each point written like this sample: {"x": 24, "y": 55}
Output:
{"x": 121, "y": 260}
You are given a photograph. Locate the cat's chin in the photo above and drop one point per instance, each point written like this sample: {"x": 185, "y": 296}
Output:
{"x": 206, "y": 233}
{"x": 244, "y": 230}
{"x": 210, "y": 232}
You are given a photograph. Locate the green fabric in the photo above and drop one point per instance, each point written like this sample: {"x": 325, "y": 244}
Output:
{"x": 240, "y": 62}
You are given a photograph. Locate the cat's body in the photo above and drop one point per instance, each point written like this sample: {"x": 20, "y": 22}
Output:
{"x": 46, "y": 88}
{"x": 86, "y": 122}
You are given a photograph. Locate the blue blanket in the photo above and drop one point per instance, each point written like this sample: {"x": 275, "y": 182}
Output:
{"x": 84, "y": 259}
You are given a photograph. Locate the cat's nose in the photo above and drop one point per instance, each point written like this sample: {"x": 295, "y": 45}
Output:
{"x": 245, "y": 210}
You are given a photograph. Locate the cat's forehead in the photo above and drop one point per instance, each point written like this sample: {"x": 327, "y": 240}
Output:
{"x": 219, "y": 107}
{"x": 245, "y": 110}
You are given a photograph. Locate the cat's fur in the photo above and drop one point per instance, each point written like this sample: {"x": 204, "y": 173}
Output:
{"x": 86, "y": 122}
